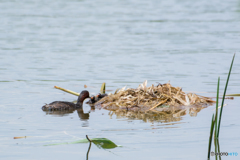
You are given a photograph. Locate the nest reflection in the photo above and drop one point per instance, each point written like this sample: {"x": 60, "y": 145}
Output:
{"x": 172, "y": 114}
{"x": 160, "y": 114}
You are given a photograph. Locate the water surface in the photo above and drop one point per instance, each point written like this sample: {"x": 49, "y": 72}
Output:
{"x": 78, "y": 42}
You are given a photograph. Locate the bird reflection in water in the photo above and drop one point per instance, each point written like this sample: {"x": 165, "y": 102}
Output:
{"x": 83, "y": 116}
{"x": 171, "y": 114}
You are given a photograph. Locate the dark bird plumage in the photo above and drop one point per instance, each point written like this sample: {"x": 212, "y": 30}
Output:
{"x": 94, "y": 99}
{"x": 62, "y": 105}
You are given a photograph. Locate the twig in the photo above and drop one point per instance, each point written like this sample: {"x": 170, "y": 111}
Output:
{"x": 68, "y": 91}
{"x": 157, "y": 105}
{"x": 222, "y": 97}
{"x": 233, "y": 95}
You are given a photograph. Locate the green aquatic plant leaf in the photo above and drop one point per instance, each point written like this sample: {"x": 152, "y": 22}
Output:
{"x": 103, "y": 143}
{"x": 103, "y": 88}
{"x": 217, "y": 120}
{"x": 216, "y": 117}
{"x": 225, "y": 90}
{"x": 216, "y": 114}
{"x": 210, "y": 137}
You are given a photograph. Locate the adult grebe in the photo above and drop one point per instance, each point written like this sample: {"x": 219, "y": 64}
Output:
{"x": 62, "y": 105}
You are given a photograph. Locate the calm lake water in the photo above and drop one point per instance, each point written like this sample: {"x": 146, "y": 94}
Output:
{"x": 78, "y": 42}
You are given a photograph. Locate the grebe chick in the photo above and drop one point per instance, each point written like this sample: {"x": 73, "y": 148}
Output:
{"x": 94, "y": 99}
{"x": 100, "y": 96}
{"x": 62, "y": 105}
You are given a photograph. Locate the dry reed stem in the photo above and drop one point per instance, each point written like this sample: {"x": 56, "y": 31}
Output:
{"x": 162, "y": 102}
{"x": 68, "y": 91}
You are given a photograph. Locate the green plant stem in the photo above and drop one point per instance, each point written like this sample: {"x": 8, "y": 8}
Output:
{"x": 90, "y": 144}
{"x": 216, "y": 114}
{"x": 225, "y": 90}
{"x": 216, "y": 118}
{"x": 216, "y": 150}
{"x": 88, "y": 138}
{"x": 218, "y": 146}
{"x": 210, "y": 137}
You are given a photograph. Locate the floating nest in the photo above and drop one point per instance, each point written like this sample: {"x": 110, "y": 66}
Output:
{"x": 163, "y": 99}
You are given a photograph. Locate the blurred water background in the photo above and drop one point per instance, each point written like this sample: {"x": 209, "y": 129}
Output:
{"x": 87, "y": 42}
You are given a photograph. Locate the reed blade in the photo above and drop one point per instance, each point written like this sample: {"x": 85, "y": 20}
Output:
{"x": 210, "y": 137}
{"x": 216, "y": 114}
{"x": 218, "y": 146}
{"x": 103, "y": 88}
{"x": 224, "y": 94}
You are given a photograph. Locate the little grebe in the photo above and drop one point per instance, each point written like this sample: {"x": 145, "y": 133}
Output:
{"x": 94, "y": 99}
{"x": 62, "y": 105}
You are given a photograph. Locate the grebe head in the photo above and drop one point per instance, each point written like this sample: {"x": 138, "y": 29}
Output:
{"x": 83, "y": 95}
